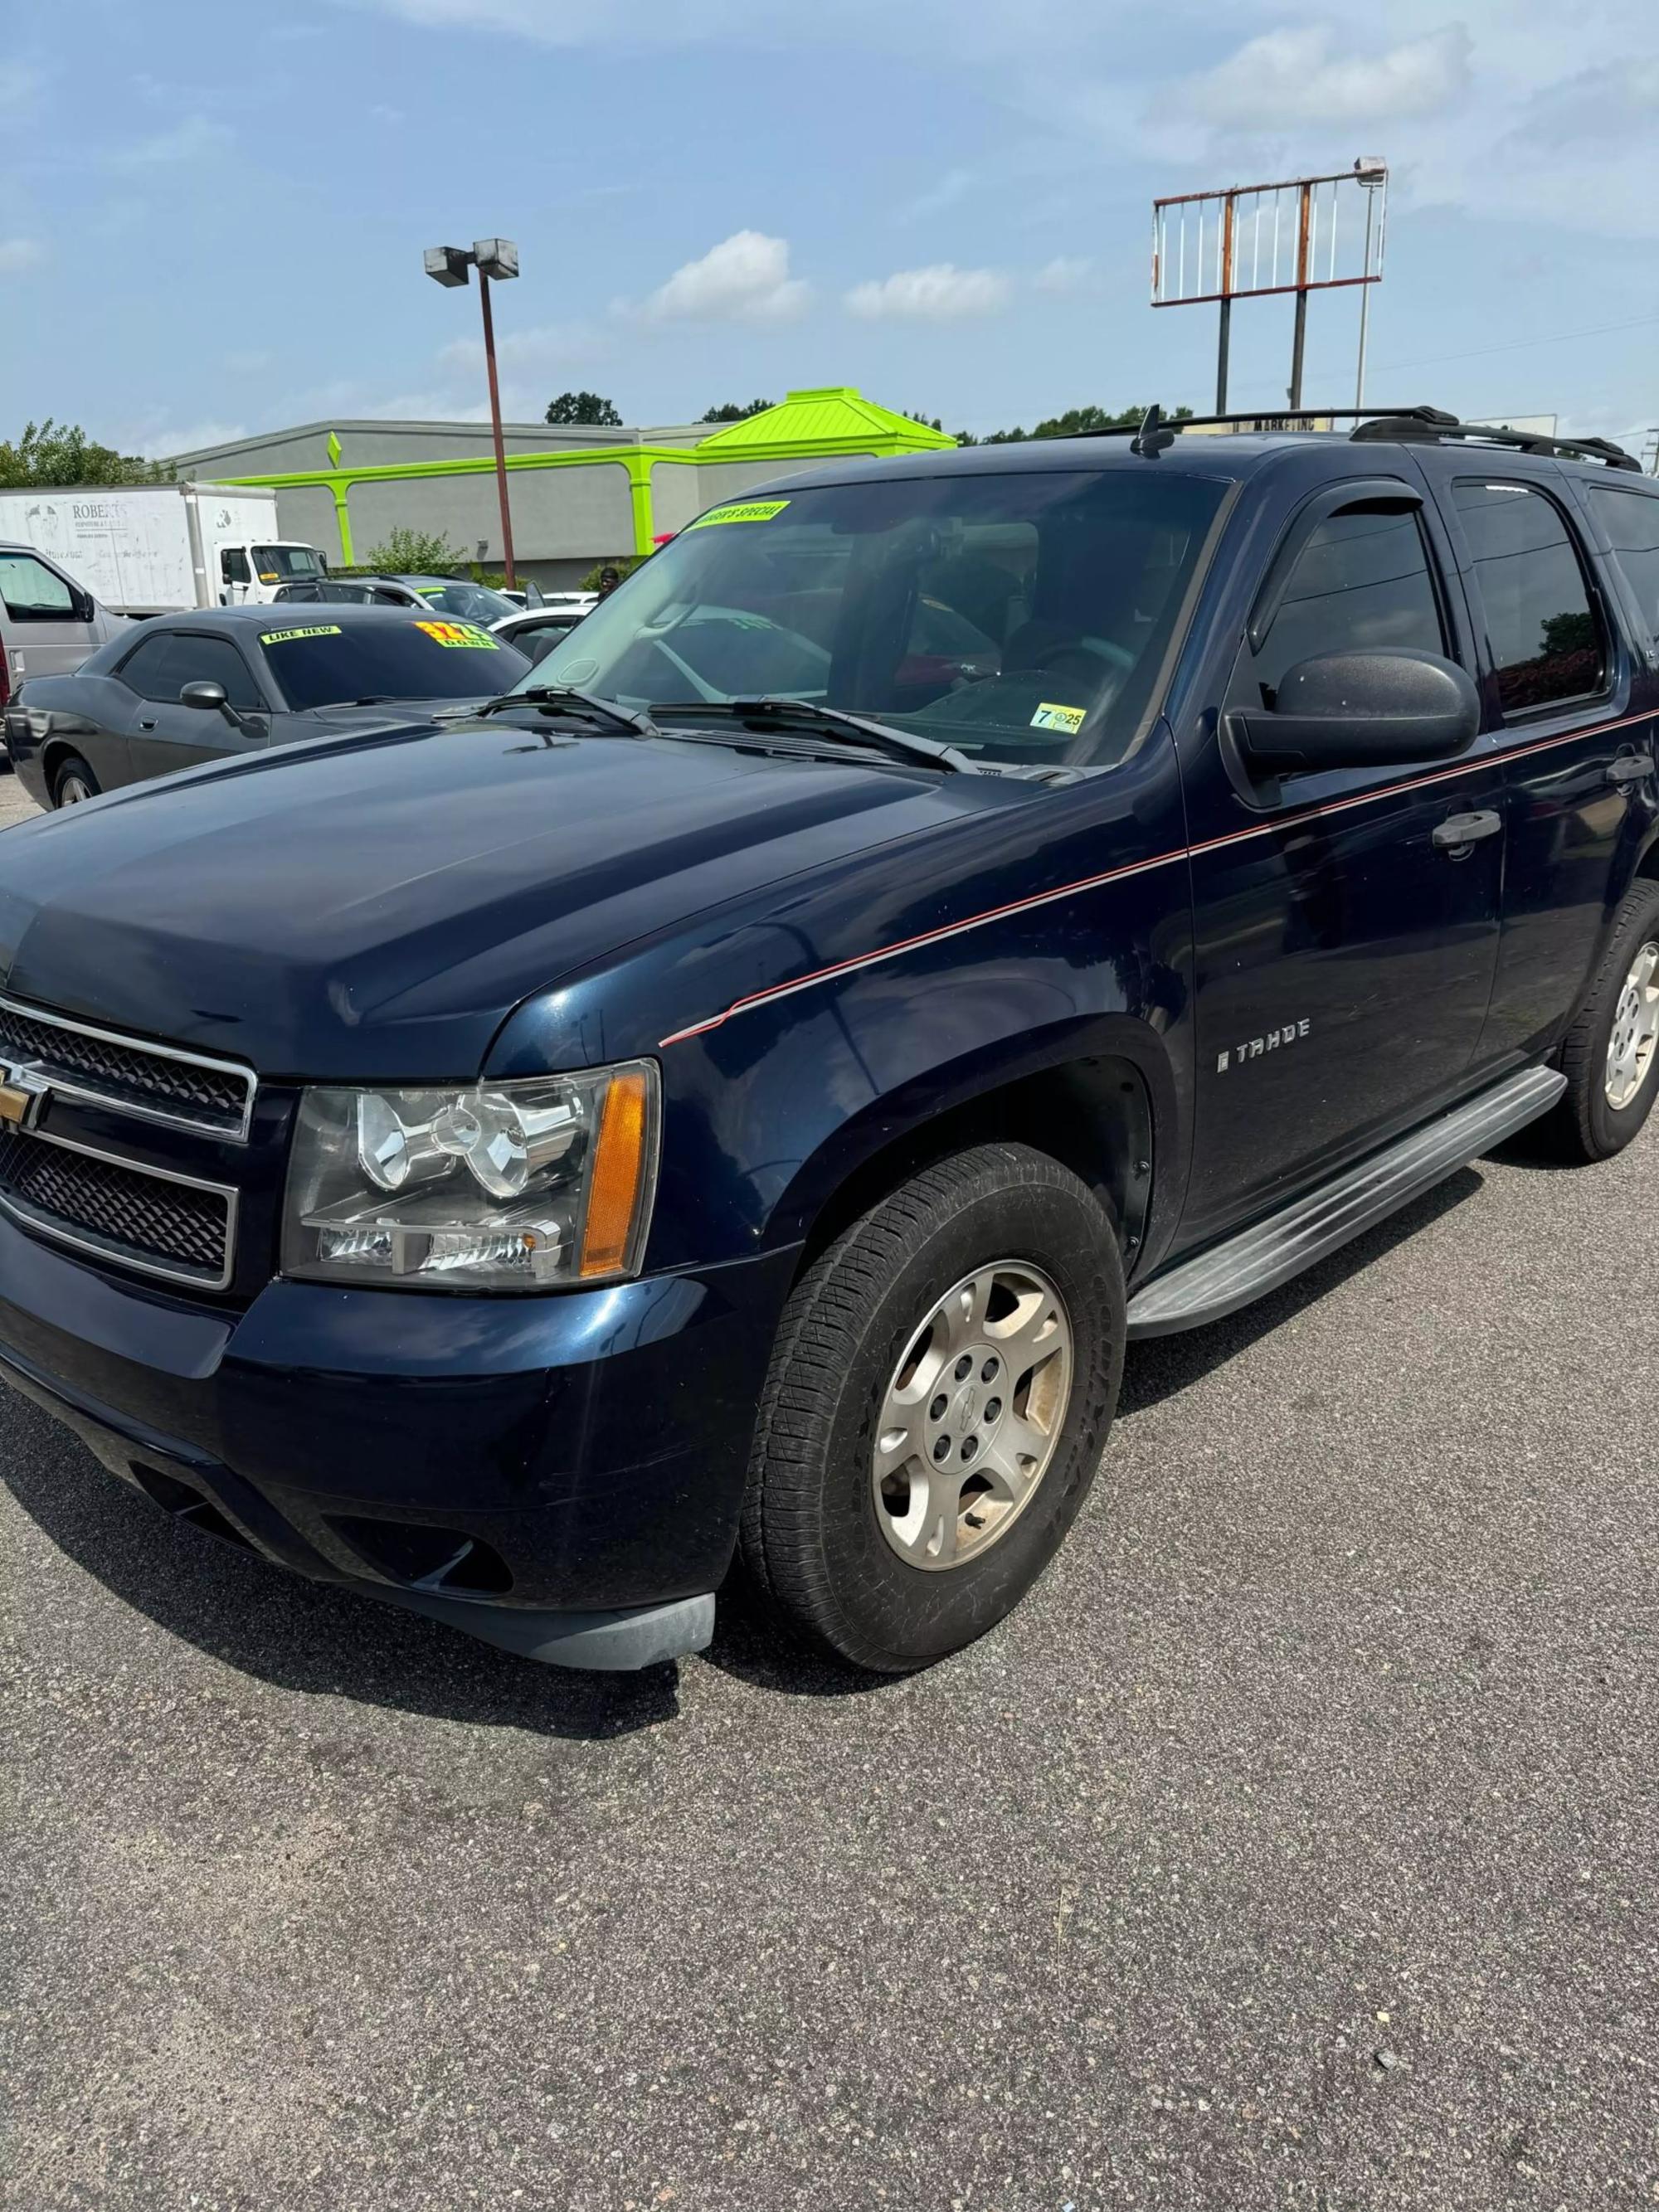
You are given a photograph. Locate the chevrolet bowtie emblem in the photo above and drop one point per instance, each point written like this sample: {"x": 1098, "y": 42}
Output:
{"x": 23, "y": 1092}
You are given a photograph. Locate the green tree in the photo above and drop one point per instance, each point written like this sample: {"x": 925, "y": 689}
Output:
{"x": 1077, "y": 421}
{"x": 731, "y": 412}
{"x": 50, "y": 454}
{"x": 413, "y": 553}
{"x": 589, "y": 407}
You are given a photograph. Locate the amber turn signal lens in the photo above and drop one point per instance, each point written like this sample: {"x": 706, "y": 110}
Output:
{"x": 619, "y": 1166}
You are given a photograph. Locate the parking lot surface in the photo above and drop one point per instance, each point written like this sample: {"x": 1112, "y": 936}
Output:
{"x": 1297, "y": 1844}
{"x": 16, "y": 805}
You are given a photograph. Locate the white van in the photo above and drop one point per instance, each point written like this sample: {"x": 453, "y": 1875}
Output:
{"x": 48, "y": 623}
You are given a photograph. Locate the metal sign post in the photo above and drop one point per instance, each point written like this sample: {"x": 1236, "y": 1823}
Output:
{"x": 1246, "y": 241}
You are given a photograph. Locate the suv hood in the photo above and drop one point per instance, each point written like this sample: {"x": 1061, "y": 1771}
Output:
{"x": 374, "y": 907}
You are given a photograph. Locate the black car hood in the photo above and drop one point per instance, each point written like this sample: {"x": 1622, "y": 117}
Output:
{"x": 374, "y": 907}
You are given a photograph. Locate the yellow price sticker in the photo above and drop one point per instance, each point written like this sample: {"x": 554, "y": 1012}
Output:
{"x": 455, "y": 632}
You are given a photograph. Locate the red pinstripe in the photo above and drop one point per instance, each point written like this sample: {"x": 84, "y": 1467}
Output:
{"x": 1133, "y": 868}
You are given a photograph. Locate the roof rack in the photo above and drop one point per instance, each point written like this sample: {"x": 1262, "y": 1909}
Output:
{"x": 1407, "y": 428}
{"x": 1419, "y": 425}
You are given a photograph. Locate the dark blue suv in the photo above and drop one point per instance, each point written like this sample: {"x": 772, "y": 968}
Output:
{"x": 939, "y": 919}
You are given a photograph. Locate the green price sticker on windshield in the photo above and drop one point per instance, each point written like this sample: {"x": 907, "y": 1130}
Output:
{"x": 748, "y": 510}
{"x": 281, "y": 637}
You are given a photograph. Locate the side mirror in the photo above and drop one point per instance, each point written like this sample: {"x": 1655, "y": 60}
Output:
{"x": 86, "y": 607}
{"x": 1377, "y": 709}
{"x": 210, "y": 698}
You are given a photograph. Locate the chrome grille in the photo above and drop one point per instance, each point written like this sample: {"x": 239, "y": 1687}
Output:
{"x": 161, "y": 1083}
{"x": 144, "y": 1216}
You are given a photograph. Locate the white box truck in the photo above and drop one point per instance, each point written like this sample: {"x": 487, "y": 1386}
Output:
{"x": 147, "y": 549}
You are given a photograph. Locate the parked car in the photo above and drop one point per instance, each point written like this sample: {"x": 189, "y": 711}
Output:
{"x": 536, "y": 631}
{"x": 184, "y": 688}
{"x": 48, "y": 623}
{"x": 446, "y": 595}
{"x": 720, "y": 1099}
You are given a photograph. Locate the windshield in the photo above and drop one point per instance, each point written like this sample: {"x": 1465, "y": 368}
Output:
{"x": 473, "y": 602}
{"x": 328, "y": 664}
{"x": 1019, "y": 618}
{"x": 279, "y": 564}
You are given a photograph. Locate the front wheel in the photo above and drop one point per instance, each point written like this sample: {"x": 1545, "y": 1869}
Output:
{"x": 939, "y": 1399}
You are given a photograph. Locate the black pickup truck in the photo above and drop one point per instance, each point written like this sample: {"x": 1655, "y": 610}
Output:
{"x": 741, "y": 1090}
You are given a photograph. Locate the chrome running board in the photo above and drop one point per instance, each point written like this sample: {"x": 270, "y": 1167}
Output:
{"x": 1258, "y": 1259}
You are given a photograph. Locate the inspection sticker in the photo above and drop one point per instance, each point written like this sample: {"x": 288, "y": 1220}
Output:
{"x": 317, "y": 629}
{"x": 453, "y": 633}
{"x": 1069, "y": 718}
{"x": 748, "y": 510}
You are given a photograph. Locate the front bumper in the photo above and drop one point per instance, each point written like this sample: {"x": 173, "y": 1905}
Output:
{"x": 504, "y": 1464}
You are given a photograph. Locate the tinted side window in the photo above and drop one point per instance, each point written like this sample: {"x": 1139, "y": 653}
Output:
{"x": 1362, "y": 581}
{"x": 149, "y": 670}
{"x": 162, "y": 665}
{"x": 32, "y": 592}
{"x": 1631, "y": 520}
{"x": 215, "y": 660}
{"x": 233, "y": 564}
{"x": 1545, "y": 639}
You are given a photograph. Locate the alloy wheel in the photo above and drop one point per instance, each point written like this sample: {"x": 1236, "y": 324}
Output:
{"x": 1635, "y": 1029}
{"x": 970, "y": 1419}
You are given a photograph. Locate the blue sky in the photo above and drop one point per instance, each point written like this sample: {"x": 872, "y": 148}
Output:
{"x": 214, "y": 215}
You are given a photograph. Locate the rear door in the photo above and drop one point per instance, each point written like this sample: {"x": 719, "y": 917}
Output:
{"x": 165, "y": 735}
{"x": 1345, "y": 921}
{"x": 1559, "y": 679}
{"x": 50, "y": 624}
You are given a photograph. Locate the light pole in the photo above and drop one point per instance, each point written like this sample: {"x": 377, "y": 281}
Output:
{"x": 450, "y": 264}
{"x": 1373, "y": 171}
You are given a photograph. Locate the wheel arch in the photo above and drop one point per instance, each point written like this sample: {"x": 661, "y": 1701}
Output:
{"x": 1099, "y": 1096}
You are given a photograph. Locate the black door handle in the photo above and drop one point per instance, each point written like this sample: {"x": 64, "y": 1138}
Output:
{"x": 1630, "y": 768}
{"x": 149, "y": 724}
{"x": 1459, "y": 832}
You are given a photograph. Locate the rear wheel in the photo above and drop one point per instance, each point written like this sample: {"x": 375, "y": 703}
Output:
{"x": 1611, "y": 1056}
{"x": 73, "y": 781}
{"x": 939, "y": 1395}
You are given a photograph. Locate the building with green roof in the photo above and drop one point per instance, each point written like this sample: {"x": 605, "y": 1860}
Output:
{"x": 595, "y": 493}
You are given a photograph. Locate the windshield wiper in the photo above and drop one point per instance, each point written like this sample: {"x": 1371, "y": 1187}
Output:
{"x": 565, "y": 698}
{"x": 848, "y": 729}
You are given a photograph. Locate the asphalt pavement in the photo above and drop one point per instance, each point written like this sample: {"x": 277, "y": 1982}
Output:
{"x": 1297, "y": 1844}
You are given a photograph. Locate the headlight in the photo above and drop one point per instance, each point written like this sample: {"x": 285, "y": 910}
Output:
{"x": 494, "y": 1186}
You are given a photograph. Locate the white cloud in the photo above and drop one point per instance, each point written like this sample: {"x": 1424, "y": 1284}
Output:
{"x": 158, "y": 442}
{"x": 746, "y": 278}
{"x": 20, "y": 253}
{"x": 940, "y": 294}
{"x": 194, "y": 139}
{"x": 1297, "y": 76}
{"x": 1065, "y": 273}
{"x": 522, "y": 352}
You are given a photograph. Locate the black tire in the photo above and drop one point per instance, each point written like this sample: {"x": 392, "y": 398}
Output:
{"x": 72, "y": 767}
{"x": 810, "y": 1537}
{"x": 1586, "y": 1125}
